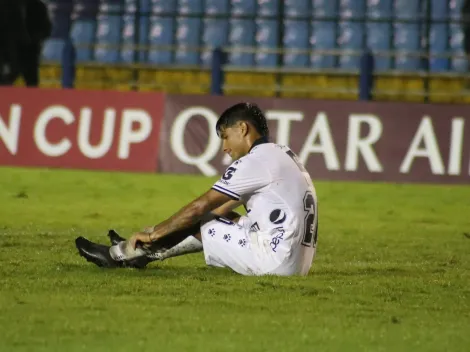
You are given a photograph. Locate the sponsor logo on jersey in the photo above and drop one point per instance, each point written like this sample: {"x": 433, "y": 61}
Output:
{"x": 277, "y": 216}
{"x": 229, "y": 173}
{"x": 254, "y": 227}
{"x": 277, "y": 239}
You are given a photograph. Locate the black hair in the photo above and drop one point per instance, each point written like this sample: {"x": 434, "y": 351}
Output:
{"x": 248, "y": 112}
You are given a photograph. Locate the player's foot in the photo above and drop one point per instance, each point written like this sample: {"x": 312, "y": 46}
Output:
{"x": 98, "y": 254}
{"x": 114, "y": 237}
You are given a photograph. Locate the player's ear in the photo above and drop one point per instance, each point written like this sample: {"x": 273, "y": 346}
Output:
{"x": 244, "y": 128}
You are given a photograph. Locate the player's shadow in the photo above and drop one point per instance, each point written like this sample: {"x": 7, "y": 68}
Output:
{"x": 152, "y": 270}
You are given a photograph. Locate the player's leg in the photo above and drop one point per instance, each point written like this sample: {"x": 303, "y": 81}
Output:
{"x": 179, "y": 243}
{"x": 229, "y": 244}
{"x": 176, "y": 244}
{"x": 123, "y": 255}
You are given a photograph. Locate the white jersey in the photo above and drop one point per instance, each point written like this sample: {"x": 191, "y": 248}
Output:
{"x": 279, "y": 197}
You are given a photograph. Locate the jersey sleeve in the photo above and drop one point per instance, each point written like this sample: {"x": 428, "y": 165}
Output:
{"x": 243, "y": 177}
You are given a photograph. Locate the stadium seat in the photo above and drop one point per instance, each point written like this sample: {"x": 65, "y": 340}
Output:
{"x": 456, "y": 43}
{"x": 243, "y": 7}
{"x": 189, "y": 7}
{"x": 295, "y": 37}
{"x": 145, "y": 6}
{"x": 215, "y": 34}
{"x": 163, "y": 7}
{"x": 407, "y": 37}
{"x": 130, "y": 21}
{"x": 130, "y": 7}
{"x": 109, "y": 27}
{"x": 379, "y": 33}
{"x": 60, "y": 14}
{"x": 458, "y": 61}
{"x": 439, "y": 34}
{"x": 351, "y": 33}
{"x": 83, "y": 28}
{"x": 323, "y": 32}
{"x": 83, "y": 36}
{"x": 128, "y": 39}
{"x": 325, "y": 10}
{"x": 110, "y": 7}
{"x": 160, "y": 34}
{"x": 323, "y": 38}
{"x": 296, "y": 8}
{"x": 217, "y": 7}
{"x": 266, "y": 38}
{"x": 268, "y": 8}
{"x": 85, "y": 9}
{"x": 351, "y": 40}
{"x": 241, "y": 33}
{"x": 352, "y": 9}
{"x": 188, "y": 37}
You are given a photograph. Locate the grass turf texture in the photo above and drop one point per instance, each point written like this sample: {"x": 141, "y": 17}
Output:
{"x": 391, "y": 273}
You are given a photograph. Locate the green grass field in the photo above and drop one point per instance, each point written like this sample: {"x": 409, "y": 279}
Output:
{"x": 392, "y": 272}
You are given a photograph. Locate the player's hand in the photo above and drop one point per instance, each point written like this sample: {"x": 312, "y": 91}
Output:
{"x": 140, "y": 238}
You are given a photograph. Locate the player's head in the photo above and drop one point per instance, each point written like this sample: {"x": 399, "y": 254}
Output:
{"x": 239, "y": 126}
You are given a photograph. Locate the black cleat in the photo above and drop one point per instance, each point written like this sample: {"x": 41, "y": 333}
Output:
{"x": 137, "y": 263}
{"x": 96, "y": 253}
{"x": 114, "y": 237}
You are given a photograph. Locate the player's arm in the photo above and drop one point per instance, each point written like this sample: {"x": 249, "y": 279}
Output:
{"x": 187, "y": 216}
{"x": 227, "y": 208}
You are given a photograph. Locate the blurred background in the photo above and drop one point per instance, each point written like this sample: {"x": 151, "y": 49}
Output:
{"x": 271, "y": 48}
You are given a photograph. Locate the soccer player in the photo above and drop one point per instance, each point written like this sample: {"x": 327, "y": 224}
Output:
{"x": 278, "y": 234}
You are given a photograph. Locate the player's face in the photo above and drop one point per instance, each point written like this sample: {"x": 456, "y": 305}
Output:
{"x": 233, "y": 142}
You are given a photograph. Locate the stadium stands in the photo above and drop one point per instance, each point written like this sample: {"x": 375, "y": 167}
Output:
{"x": 84, "y": 28}
{"x": 379, "y": 32}
{"x": 321, "y": 34}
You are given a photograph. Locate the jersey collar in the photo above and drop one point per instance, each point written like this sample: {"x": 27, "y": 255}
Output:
{"x": 259, "y": 141}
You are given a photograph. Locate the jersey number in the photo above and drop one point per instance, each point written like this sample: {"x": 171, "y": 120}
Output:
{"x": 296, "y": 160}
{"x": 310, "y": 222}
{"x": 311, "y": 219}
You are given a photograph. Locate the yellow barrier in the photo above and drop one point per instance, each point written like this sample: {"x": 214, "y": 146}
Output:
{"x": 442, "y": 89}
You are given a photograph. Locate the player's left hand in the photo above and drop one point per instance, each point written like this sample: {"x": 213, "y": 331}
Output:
{"x": 140, "y": 237}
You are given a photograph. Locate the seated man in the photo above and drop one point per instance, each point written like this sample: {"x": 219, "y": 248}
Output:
{"x": 277, "y": 236}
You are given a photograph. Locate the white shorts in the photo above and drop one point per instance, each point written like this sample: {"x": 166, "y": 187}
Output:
{"x": 233, "y": 245}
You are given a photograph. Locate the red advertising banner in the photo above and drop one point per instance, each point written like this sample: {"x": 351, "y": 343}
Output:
{"x": 395, "y": 142}
{"x": 80, "y": 129}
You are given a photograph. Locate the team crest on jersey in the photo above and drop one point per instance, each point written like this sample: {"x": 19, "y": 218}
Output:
{"x": 277, "y": 216}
